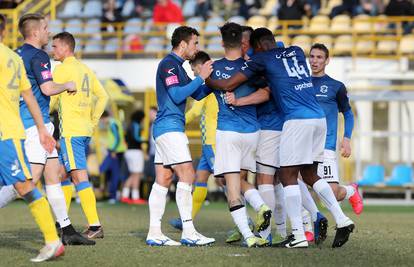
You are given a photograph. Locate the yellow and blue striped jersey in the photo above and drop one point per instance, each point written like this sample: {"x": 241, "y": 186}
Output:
{"x": 207, "y": 108}
{"x": 78, "y": 114}
{"x": 13, "y": 80}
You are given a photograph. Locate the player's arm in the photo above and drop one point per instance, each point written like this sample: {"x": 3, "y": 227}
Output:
{"x": 194, "y": 111}
{"x": 346, "y": 110}
{"x": 201, "y": 92}
{"x": 41, "y": 69}
{"x": 46, "y": 139}
{"x": 170, "y": 78}
{"x": 260, "y": 96}
{"x": 227, "y": 84}
{"x": 102, "y": 99}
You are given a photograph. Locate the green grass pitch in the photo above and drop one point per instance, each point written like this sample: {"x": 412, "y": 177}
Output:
{"x": 384, "y": 236}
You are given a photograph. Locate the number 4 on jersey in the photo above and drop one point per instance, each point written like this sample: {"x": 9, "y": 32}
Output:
{"x": 85, "y": 84}
{"x": 295, "y": 71}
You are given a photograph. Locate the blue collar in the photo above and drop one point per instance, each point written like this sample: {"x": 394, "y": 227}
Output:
{"x": 177, "y": 57}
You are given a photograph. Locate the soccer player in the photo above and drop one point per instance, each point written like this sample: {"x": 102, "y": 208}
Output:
{"x": 303, "y": 134}
{"x": 34, "y": 29}
{"x": 173, "y": 86}
{"x": 332, "y": 96}
{"x": 79, "y": 115}
{"x": 14, "y": 167}
{"x": 207, "y": 108}
{"x": 134, "y": 158}
{"x": 236, "y": 141}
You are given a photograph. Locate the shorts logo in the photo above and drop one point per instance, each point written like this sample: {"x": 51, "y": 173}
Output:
{"x": 15, "y": 168}
{"x": 171, "y": 80}
{"x": 324, "y": 89}
{"x": 46, "y": 74}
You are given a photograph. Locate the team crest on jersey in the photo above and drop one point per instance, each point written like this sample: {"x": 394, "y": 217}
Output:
{"x": 324, "y": 89}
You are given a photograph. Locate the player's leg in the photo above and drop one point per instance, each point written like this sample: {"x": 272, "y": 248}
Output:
{"x": 126, "y": 189}
{"x": 14, "y": 171}
{"x": 267, "y": 192}
{"x": 137, "y": 170}
{"x": 280, "y": 207}
{"x": 66, "y": 183}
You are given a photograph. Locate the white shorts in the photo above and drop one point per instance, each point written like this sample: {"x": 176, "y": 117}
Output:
{"x": 135, "y": 160}
{"x": 35, "y": 152}
{"x": 235, "y": 152}
{"x": 267, "y": 154}
{"x": 172, "y": 149}
{"x": 328, "y": 170}
{"x": 302, "y": 142}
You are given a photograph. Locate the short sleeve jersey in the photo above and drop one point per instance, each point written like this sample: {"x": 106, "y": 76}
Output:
{"x": 13, "y": 81}
{"x": 241, "y": 119}
{"x": 333, "y": 98}
{"x": 38, "y": 69}
{"x": 289, "y": 79}
{"x": 170, "y": 116}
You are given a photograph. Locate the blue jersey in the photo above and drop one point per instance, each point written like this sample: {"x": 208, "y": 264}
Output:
{"x": 241, "y": 119}
{"x": 38, "y": 69}
{"x": 288, "y": 76}
{"x": 172, "y": 84}
{"x": 270, "y": 116}
{"x": 333, "y": 98}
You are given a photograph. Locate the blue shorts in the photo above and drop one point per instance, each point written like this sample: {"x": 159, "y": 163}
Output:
{"x": 206, "y": 162}
{"x": 73, "y": 152}
{"x": 14, "y": 166}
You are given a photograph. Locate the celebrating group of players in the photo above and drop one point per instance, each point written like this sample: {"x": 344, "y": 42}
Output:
{"x": 262, "y": 112}
{"x": 27, "y": 147}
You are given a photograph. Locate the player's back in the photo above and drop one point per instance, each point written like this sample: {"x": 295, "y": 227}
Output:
{"x": 13, "y": 80}
{"x": 38, "y": 69}
{"x": 331, "y": 95}
{"x": 291, "y": 83}
{"x": 241, "y": 119}
{"x": 170, "y": 115}
{"x": 270, "y": 116}
{"x": 75, "y": 111}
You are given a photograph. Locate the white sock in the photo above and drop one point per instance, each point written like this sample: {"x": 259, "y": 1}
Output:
{"x": 350, "y": 190}
{"x": 7, "y": 195}
{"x": 280, "y": 210}
{"x": 125, "y": 192}
{"x": 307, "y": 221}
{"x": 240, "y": 219}
{"x": 326, "y": 195}
{"x": 307, "y": 200}
{"x": 294, "y": 210}
{"x": 156, "y": 202}
{"x": 135, "y": 194}
{"x": 184, "y": 201}
{"x": 252, "y": 196}
{"x": 267, "y": 192}
{"x": 57, "y": 202}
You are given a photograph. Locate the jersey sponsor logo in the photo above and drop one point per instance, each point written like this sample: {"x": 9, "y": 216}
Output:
{"x": 44, "y": 65}
{"x": 222, "y": 75}
{"x": 46, "y": 74}
{"x": 229, "y": 68}
{"x": 301, "y": 86}
{"x": 171, "y": 80}
{"x": 284, "y": 55}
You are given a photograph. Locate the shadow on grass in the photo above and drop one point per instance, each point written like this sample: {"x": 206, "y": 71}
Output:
{"x": 19, "y": 239}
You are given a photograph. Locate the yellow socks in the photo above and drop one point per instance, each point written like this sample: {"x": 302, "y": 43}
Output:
{"x": 199, "y": 195}
{"x": 88, "y": 203}
{"x": 39, "y": 207}
{"x": 67, "y": 188}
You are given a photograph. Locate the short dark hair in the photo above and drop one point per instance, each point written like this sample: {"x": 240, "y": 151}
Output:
{"x": 25, "y": 21}
{"x": 200, "y": 58}
{"x": 3, "y": 21}
{"x": 182, "y": 33}
{"x": 105, "y": 114}
{"x": 247, "y": 29}
{"x": 67, "y": 38}
{"x": 321, "y": 47}
{"x": 137, "y": 116}
{"x": 259, "y": 35}
{"x": 231, "y": 34}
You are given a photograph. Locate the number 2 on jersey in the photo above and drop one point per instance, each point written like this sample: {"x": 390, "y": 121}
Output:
{"x": 13, "y": 84}
{"x": 85, "y": 84}
{"x": 295, "y": 71}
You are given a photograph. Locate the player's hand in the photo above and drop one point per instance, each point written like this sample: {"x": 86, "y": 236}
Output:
{"x": 71, "y": 88}
{"x": 346, "y": 148}
{"x": 231, "y": 98}
{"x": 47, "y": 141}
{"x": 206, "y": 69}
